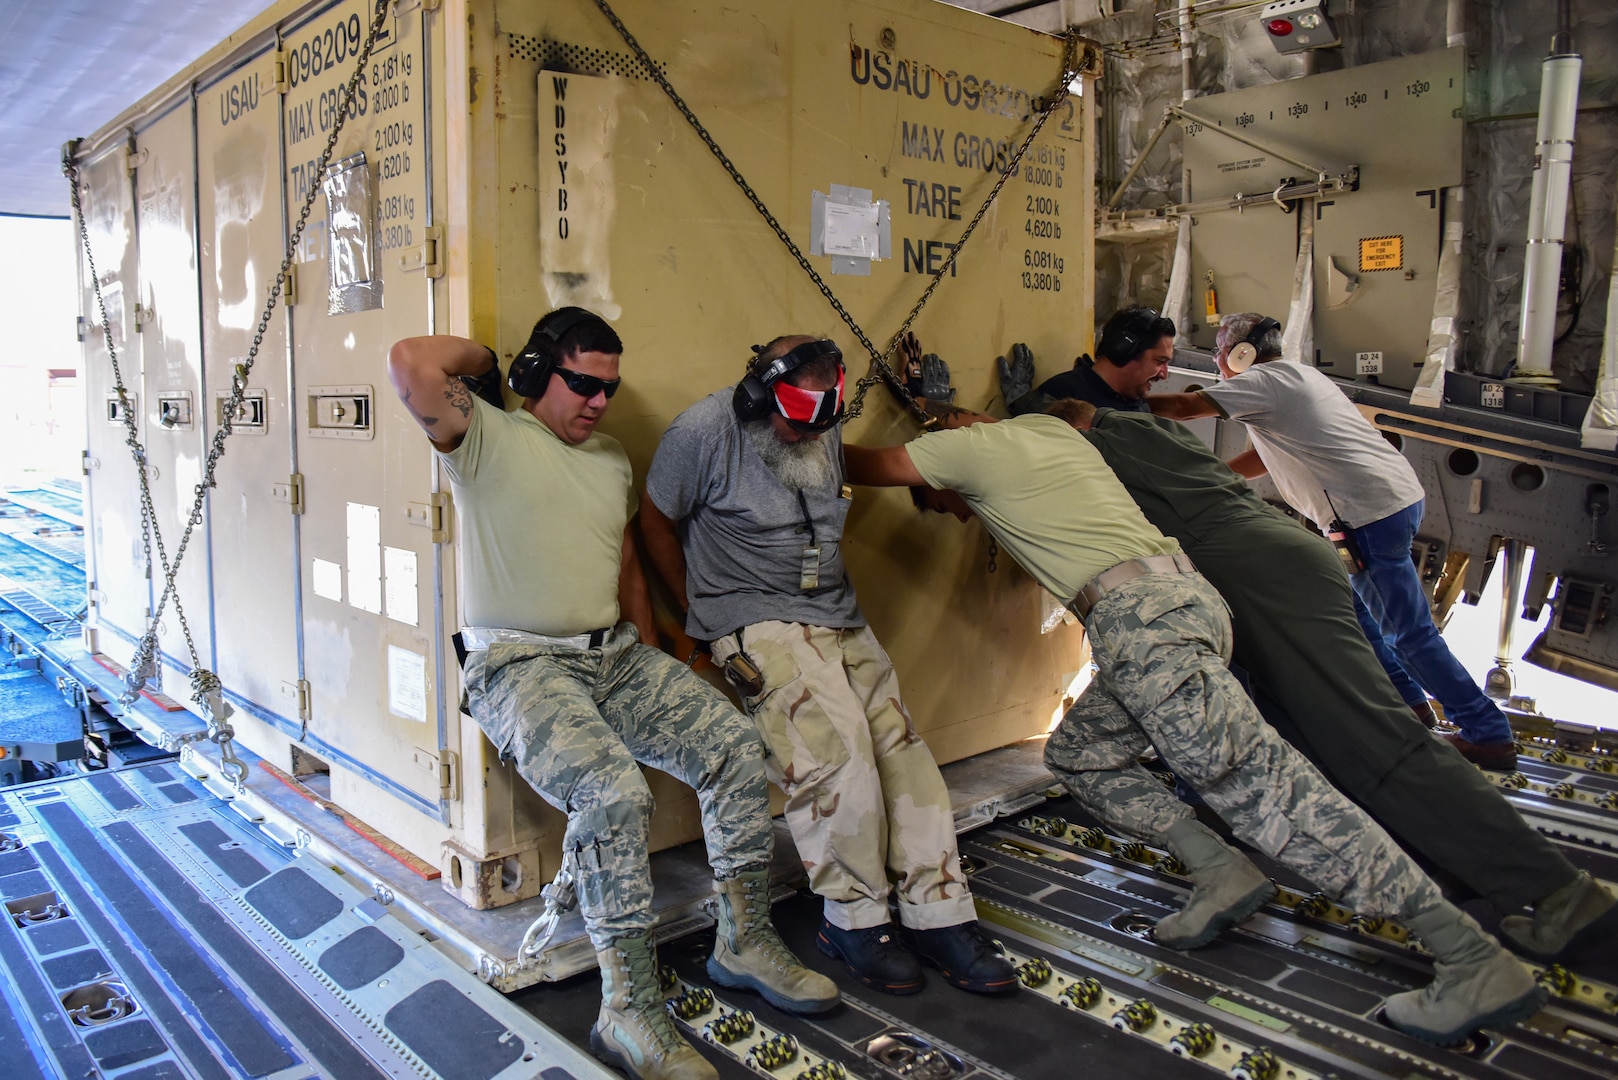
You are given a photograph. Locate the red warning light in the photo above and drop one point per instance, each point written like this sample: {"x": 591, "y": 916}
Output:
{"x": 1280, "y": 27}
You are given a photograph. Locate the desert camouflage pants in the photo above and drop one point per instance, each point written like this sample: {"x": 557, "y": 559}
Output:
{"x": 1160, "y": 643}
{"x": 577, "y": 721}
{"x": 865, "y": 801}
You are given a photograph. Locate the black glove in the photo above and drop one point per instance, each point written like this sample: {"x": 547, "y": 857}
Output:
{"x": 1017, "y": 377}
{"x": 935, "y": 380}
{"x": 487, "y": 385}
{"x": 910, "y": 363}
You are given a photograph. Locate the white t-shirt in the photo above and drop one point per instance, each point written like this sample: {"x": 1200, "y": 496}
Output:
{"x": 1315, "y": 443}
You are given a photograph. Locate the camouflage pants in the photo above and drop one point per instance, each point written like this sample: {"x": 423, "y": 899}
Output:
{"x": 577, "y": 721}
{"x": 865, "y": 801}
{"x": 1161, "y": 642}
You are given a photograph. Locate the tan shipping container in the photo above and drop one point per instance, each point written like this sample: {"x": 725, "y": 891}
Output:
{"x": 505, "y": 158}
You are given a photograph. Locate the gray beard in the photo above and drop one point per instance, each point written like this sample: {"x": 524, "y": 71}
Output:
{"x": 800, "y": 466}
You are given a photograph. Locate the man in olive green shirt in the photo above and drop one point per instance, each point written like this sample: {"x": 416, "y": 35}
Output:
{"x": 1160, "y": 636}
{"x": 1316, "y": 680}
{"x": 561, "y": 685}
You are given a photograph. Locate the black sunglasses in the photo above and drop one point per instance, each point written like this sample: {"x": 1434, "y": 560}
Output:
{"x": 587, "y": 386}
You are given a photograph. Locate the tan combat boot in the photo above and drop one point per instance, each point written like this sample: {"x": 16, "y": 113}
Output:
{"x": 1579, "y": 914}
{"x": 1225, "y": 887}
{"x": 1477, "y": 983}
{"x": 634, "y": 1031}
{"x": 749, "y": 955}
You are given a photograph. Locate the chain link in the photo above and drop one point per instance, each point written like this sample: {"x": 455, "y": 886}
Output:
{"x": 881, "y": 368}
{"x": 206, "y": 689}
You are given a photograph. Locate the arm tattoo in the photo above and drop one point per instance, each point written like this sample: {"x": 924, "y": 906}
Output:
{"x": 459, "y": 396}
{"x": 425, "y": 421}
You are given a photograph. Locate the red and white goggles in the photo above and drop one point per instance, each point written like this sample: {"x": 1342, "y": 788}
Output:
{"x": 810, "y": 410}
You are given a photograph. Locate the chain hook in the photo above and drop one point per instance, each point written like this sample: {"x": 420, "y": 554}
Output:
{"x": 560, "y": 898}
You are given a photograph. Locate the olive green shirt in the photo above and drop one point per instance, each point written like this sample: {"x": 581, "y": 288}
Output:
{"x": 1045, "y": 495}
{"x": 1183, "y": 488}
{"x": 541, "y": 524}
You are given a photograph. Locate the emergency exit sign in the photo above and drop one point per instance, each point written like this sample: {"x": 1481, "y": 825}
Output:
{"x": 1382, "y": 253}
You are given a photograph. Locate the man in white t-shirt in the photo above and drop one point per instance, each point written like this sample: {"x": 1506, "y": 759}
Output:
{"x": 1332, "y": 466}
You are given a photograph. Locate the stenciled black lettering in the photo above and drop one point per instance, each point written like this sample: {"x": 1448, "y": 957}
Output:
{"x": 859, "y": 64}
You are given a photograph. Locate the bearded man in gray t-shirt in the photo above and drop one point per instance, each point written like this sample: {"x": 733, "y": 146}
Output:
{"x": 743, "y": 515}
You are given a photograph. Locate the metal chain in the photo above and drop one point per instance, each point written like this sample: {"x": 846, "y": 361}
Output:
{"x": 206, "y": 689}
{"x": 881, "y": 368}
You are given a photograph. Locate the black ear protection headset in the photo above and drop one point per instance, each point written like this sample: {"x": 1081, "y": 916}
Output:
{"x": 1244, "y": 353}
{"x": 531, "y": 371}
{"x": 1124, "y": 344}
{"x": 754, "y": 400}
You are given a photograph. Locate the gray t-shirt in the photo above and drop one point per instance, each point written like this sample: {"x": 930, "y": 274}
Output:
{"x": 744, "y": 531}
{"x": 1314, "y": 442}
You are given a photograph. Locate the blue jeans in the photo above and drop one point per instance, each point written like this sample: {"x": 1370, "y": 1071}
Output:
{"x": 1396, "y": 617}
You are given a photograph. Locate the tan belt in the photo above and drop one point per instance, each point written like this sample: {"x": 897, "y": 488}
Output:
{"x": 1108, "y": 580}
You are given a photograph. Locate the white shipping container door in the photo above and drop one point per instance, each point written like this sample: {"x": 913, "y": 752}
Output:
{"x": 114, "y": 559}
{"x": 171, "y": 351}
{"x": 254, "y": 529}
{"x": 367, "y": 562}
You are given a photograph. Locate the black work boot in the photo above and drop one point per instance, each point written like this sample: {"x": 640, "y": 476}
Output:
{"x": 966, "y": 957}
{"x": 874, "y": 956}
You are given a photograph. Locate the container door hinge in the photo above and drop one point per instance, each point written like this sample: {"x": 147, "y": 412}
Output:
{"x": 429, "y": 257}
{"x": 433, "y": 515}
{"x": 278, "y": 71}
{"x": 289, "y": 287}
{"x": 82, "y": 327}
{"x": 304, "y": 708}
{"x": 449, "y": 776}
{"x": 446, "y": 770}
{"x": 143, "y": 315}
{"x": 134, "y": 159}
{"x": 290, "y": 492}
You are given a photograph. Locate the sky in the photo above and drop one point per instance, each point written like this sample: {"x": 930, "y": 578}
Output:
{"x": 41, "y": 425}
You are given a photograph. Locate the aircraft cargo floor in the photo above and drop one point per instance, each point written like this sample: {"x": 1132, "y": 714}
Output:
{"x": 157, "y": 927}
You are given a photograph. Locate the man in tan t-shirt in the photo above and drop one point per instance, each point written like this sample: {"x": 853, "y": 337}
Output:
{"x": 559, "y": 683}
{"x": 1160, "y": 636}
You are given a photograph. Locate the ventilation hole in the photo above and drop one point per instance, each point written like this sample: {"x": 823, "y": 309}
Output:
{"x": 1463, "y": 462}
{"x": 455, "y": 871}
{"x": 579, "y": 59}
{"x": 1527, "y": 477}
{"x": 1395, "y": 440}
{"x": 511, "y": 874}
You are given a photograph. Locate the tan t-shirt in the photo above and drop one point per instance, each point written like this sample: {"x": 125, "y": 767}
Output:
{"x": 1045, "y": 494}
{"x": 541, "y": 524}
